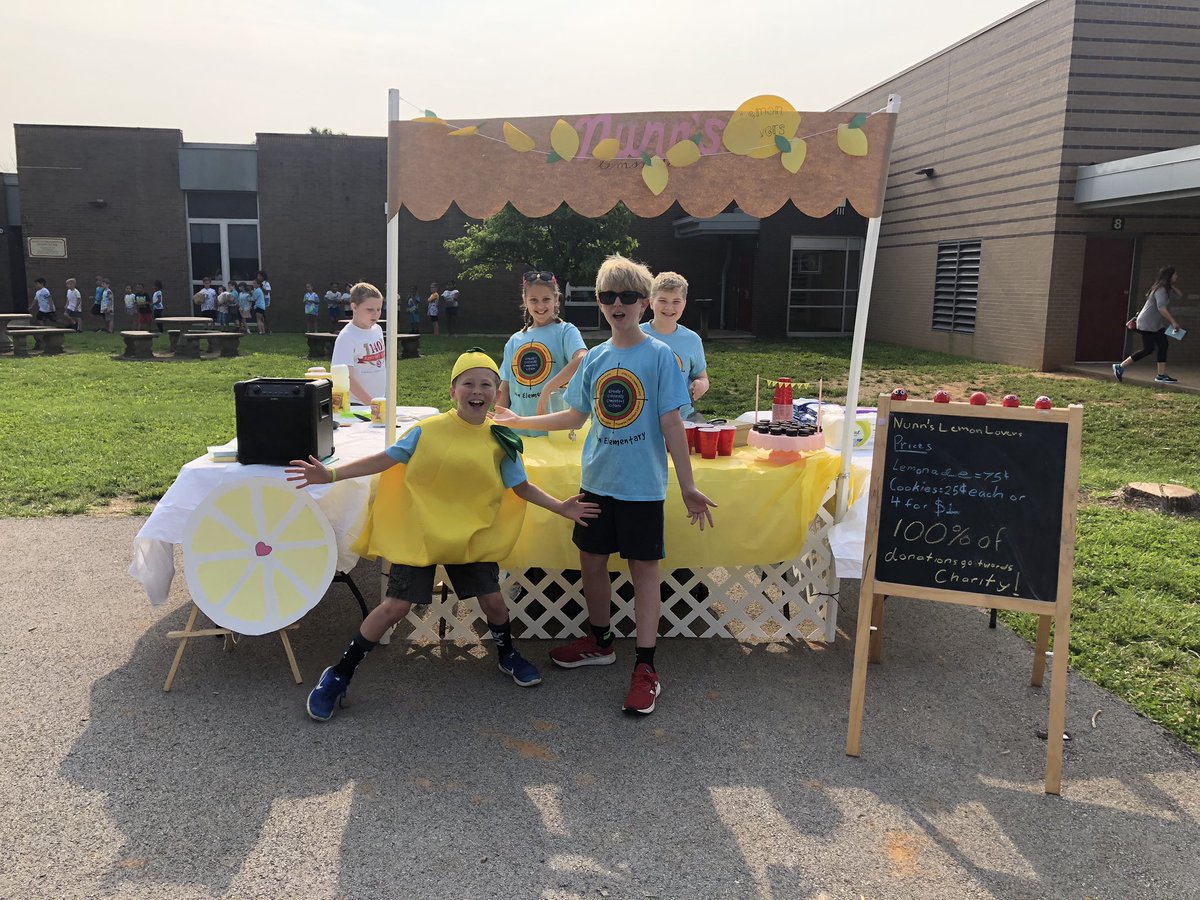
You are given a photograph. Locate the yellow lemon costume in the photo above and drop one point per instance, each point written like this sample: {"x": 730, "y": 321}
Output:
{"x": 448, "y": 504}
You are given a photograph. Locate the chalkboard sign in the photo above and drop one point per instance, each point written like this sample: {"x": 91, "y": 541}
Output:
{"x": 971, "y": 504}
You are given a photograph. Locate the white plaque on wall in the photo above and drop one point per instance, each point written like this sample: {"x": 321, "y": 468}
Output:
{"x": 47, "y": 248}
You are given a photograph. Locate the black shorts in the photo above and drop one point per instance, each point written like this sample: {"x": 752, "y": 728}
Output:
{"x": 632, "y": 528}
{"x": 415, "y": 583}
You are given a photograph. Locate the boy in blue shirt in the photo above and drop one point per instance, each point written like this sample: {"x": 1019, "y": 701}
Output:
{"x": 668, "y": 298}
{"x": 632, "y": 388}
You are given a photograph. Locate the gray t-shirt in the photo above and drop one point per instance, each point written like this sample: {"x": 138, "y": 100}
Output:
{"x": 1150, "y": 318}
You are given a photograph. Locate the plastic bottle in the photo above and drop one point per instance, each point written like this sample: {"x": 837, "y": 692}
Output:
{"x": 341, "y": 389}
{"x": 781, "y": 405}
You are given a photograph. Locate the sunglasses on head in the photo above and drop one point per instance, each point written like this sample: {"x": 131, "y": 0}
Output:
{"x": 531, "y": 277}
{"x": 627, "y": 298}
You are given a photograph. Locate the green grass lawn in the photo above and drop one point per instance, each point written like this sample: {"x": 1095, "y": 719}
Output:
{"x": 84, "y": 432}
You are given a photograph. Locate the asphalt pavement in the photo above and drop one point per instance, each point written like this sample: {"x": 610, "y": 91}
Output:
{"x": 444, "y": 779}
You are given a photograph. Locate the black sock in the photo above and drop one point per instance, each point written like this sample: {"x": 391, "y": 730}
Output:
{"x": 644, "y": 655}
{"x": 502, "y": 635}
{"x": 359, "y": 648}
{"x": 603, "y": 635}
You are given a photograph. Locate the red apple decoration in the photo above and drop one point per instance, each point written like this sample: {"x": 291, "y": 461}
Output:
{"x": 899, "y": 394}
{"x": 941, "y": 397}
{"x": 1011, "y": 400}
{"x": 1042, "y": 402}
{"x": 979, "y": 398}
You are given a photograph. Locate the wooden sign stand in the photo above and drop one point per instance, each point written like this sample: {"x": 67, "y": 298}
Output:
{"x": 990, "y": 418}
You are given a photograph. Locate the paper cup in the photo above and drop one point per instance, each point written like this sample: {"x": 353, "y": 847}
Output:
{"x": 706, "y": 441}
{"x": 725, "y": 437}
{"x": 378, "y": 410}
{"x": 689, "y": 430}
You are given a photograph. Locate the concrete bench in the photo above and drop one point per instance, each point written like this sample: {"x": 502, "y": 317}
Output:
{"x": 138, "y": 344}
{"x": 320, "y": 344}
{"x": 224, "y": 343}
{"x": 48, "y": 340}
{"x": 410, "y": 346}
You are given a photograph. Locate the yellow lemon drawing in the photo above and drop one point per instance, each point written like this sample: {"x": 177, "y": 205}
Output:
{"x": 466, "y": 129}
{"x": 517, "y": 139}
{"x": 794, "y": 158}
{"x": 430, "y": 119}
{"x": 656, "y": 174}
{"x": 753, "y": 127}
{"x": 852, "y": 141}
{"x": 606, "y": 149}
{"x": 683, "y": 154}
{"x": 258, "y": 555}
{"x": 564, "y": 139}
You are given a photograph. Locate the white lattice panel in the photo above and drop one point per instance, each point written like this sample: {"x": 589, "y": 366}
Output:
{"x": 792, "y": 599}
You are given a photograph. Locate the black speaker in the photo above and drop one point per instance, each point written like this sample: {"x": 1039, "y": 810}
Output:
{"x": 281, "y": 419}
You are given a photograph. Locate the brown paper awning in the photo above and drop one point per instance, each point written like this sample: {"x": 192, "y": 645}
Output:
{"x": 537, "y": 165}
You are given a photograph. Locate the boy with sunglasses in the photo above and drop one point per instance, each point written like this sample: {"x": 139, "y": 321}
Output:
{"x": 632, "y": 388}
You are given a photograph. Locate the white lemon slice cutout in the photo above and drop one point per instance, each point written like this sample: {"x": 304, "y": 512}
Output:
{"x": 258, "y": 554}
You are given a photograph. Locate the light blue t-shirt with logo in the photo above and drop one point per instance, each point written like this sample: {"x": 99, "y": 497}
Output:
{"x": 689, "y": 353}
{"x": 533, "y": 357}
{"x": 625, "y": 391}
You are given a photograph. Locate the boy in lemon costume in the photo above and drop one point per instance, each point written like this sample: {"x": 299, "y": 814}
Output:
{"x": 457, "y": 503}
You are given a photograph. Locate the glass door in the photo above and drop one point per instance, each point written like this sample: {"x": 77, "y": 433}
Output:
{"x": 223, "y": 249}
{"x": 823, "y": 285}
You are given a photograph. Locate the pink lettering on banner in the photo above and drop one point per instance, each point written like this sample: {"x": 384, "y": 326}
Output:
{"x": 649, "y": 137}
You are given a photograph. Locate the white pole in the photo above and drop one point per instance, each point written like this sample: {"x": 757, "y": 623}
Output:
{"x": 392, "y": 286}
{"x": 849, "y": 420}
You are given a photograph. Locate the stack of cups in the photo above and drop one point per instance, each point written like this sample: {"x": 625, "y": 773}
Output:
{"x": 725, "y": 436}
{"x": 707, "y": 439}
{"x": 689, "y": 430}
{"x": 781, "y": 404}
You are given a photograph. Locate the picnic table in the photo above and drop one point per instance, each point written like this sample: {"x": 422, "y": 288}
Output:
{"x": 177, "y": 326}
{"x": 6, "y": 319}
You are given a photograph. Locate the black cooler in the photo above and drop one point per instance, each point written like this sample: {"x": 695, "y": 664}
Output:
{"x": 281, "y": 419}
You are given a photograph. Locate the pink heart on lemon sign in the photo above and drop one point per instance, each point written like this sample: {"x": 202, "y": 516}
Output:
{"x": 262, "y": 549}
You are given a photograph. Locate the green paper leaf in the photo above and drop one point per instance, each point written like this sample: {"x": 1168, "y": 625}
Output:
{"x": 857, "y": 121}
{"x": 784, "y": 145}
{"x": 646, "y": 158}
{"x": 430, "y": 114}
{"x": 697, "y": 138}
{"x": 553, "y": 157}
{"x": 481, "y": 124}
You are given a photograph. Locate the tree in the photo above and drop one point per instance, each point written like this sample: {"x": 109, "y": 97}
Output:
{"x": 565, "y": 243}
{"x": 324, "y": 132}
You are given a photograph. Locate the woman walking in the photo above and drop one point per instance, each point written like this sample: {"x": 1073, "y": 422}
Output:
{"x": 1151, "y": 323}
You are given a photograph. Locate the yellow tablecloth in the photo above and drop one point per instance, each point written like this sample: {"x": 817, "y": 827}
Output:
{"x": 763, "y": 509}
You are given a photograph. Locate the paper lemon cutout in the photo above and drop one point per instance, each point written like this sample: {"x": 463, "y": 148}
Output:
{"x": 466, "y": 129}
{"x": 851, "y": 141}
{"x": 794, "y": 158}
{"x": 606, "y": 149}
{"x": 755, "y": 124}
{"x": 683, "y": 154}
{"x": 564, "y": 139}
{"x": 258, "y": 555}
{"x": 431, "y": 119}
{"x": 655, "y": 173}
{"x": 517, "y": 139}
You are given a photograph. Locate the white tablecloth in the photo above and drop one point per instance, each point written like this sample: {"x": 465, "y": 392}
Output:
{"x": 344, "y": 503}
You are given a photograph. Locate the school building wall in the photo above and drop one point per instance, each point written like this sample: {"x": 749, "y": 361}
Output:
{"x": 137, "y": 235}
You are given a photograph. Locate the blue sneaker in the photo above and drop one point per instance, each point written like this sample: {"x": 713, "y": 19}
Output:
{"x": 1118, "y": 371}
{"x": 329, "y": 692}
{"x": 523, "y": 672}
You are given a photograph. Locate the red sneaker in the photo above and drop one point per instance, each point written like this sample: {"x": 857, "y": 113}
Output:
{"x": 584, "y": 652}
{"x": 644, "y": 688}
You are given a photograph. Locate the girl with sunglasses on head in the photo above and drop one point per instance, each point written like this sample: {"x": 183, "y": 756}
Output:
{"x": 543, "y": 355}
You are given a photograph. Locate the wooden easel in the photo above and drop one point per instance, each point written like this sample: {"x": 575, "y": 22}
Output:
{"x": 869, "y": 636}
{"x": 190, "y": 631}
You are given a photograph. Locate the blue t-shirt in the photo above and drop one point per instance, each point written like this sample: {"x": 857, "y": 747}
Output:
{"x": 259, "y": 298}
{"x": 533, "y": 357}
{"x": 689, "y": 353}
{"x": 512, "y": 472}
{"x": 625, "y": 392}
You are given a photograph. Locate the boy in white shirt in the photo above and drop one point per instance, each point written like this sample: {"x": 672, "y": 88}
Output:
{"x": 360, "y": 345}
{"x": 43, "y": 302}
{"x": 74, "y": 310}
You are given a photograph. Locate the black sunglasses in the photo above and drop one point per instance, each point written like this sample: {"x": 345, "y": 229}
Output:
{"x": 628, "y": 298}
{"x": 531, "y": 277}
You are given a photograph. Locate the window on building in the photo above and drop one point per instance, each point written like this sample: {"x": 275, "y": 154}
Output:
{"x": 823, "y": 285}
{"x": 222, "y": 205}
{"x": 956, "y": 287}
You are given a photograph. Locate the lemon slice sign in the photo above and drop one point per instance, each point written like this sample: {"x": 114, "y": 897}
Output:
{"x": 258, "y": 554}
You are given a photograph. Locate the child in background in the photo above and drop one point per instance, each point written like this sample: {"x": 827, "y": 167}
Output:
{"x": 347, "y": 305}
{"x": 258, "y": 300}
{"x": 141, "y": 302}
{"x": 43, "y": 304}
{"x": 245, "y": 306}
{"x": 444, "y": 499}
{"x": 543, "y": 355}
{"x": 360, "y": 345}
{"x": 108, "y": 305}
{"x": 312, "y": 307}
{"x": 431, "y": 307}
{"x": 264, "y": 285}
{"x": 208, "y": 300}
{"x": 74, "y": 309}
{"x": 413, "y": 305}
{"x": 668, "y": 298}
{"x": 157, "y": 305}
{"x": 333, "y": 305}
{"x": 632, "y": 388}
{"x": 130, "y": 304}
{"x": 226, "y": 303}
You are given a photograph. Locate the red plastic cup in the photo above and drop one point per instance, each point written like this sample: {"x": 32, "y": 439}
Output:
{"x": 706, "y": 441}
{"x": 689, "y": 430}
{"x": 725, "y": 437}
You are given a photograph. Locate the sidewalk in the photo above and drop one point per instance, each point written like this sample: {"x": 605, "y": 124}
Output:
{"x": 443, "y": 779}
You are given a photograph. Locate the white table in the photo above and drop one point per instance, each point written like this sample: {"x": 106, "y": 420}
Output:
{"x": 344, "y": 503}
